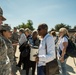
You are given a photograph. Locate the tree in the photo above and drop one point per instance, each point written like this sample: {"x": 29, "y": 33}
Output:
{"x": 74, "y": 27}
{"x": 23, "y": 25}
{"x": 58, "y": 26}
{"x": 29, "y": 25}
{"x": 68, "y": 27}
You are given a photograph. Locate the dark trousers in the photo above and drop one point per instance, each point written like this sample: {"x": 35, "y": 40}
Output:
{"x": 20, "y": 60}
{"x": 33, "y": 65}
{"x": 26, "y": 63}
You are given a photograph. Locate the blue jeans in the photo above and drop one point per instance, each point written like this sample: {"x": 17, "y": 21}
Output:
{"x": 63, "y": 67}
{"x": 41, "y": 70}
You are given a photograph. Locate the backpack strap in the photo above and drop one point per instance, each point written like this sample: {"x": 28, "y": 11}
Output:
{"x": 46, "y": 47}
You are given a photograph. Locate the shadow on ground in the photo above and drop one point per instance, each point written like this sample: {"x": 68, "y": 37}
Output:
{"x": 70, "y": 69}
{"x": 16, "y": 70}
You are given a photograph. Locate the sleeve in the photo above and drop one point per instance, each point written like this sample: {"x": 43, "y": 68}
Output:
{"x": 22, "y": 39}
{"x": 50, "y": 50}
{"x": 10, "y": 52}
{"x": 12, "y": 38}
{"x": 31, "y": 41}
{"x": 64, "y": 39}
{"x": 3, "y": 51}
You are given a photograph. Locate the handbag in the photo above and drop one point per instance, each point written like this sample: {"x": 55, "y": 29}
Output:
{"x": 24, "y": 49}
{"x": 52, "y": 67}
{"x": 25, "y": 53}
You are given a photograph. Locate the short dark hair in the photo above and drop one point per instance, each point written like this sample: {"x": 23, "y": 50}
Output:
{"x": 53, "y": 33}
{"x": 21, "y": 30}
{"x": 15, "y": 28}
{"x": 43, "y": 26}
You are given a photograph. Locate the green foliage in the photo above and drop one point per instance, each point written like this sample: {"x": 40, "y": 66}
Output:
{"x": 29, "y": 25}
{"x": 58, "y": 26}
{"x": 75, "y": 27}
{"x": 68, "y": 27}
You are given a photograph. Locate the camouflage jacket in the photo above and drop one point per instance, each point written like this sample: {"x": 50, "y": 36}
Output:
{"x": 4, "y": 60}
{"x": 10, "y": 51}
{"x": 14, "y": 38}
{"x": 3, "y": 51}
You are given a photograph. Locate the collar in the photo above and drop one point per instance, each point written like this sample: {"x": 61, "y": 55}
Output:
{"x": 47, "y": 35}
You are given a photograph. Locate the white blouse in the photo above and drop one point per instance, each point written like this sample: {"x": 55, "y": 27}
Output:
{"x": 61, "y": 41}
{"x": 22, "y": 39}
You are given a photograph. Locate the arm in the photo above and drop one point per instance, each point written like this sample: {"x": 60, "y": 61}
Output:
{"x": 22, "y": 39}
{"x": 3, "y": 50}
{"x": 65, "y": 44}
{"x": 50, "y": 51}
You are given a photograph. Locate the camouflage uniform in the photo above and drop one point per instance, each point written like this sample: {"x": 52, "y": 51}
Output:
{"x": 14, "y": 37}
{"x": 4, "y": 60}
{"x": 10, "y": 51}
{"x": 14, "y": 40}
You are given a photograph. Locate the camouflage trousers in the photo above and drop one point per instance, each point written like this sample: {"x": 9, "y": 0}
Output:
{"x": 5, "y": 69}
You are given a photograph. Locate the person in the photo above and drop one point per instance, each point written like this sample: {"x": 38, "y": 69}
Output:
{"x": 35, "y": 38}
{"x": 4, "y": 59}
{"x": 22, "y": 39}
{"x": 43, "y": 55}
{"x": 53, "y": 33}
{"x": 35, "y": 45}
{"x": 28, "y": 35}
{"x": 27, "y": 63}
{"x": 14, "y": 39}
{"x": 6, "y": 34}
{"x": 62, "y": 44}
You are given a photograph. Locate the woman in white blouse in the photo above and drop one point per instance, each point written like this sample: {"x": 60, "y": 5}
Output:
{"x": 63, "y": 43}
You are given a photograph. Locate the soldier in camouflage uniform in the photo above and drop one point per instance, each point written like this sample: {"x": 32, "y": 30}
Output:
{"x": 4, "y": 59}
{"x": 6, "y": 34}
{"x": 14, "y": 39}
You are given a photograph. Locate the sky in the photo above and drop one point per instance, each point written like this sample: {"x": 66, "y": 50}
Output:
{"x": 51, "y": 12}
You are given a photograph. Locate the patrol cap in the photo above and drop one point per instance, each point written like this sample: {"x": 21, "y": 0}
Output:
{"x": 1, "y": 15}
{"x": 15, "y": 28}
{"x": 5, "y": 27}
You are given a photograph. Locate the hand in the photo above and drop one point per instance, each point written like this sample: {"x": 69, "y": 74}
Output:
{"x": 15, "y": 44}
{"x": 37, "y": 59}
{"x": 61, "y": 59}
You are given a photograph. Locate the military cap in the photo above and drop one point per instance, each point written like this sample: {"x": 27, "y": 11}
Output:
{"x": 15, "y": 28}
{"x": 1, "y": 15}
{"x": 6, "y": 27}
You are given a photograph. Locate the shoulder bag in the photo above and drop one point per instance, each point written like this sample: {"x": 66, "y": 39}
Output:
{"x": 52, "y": 67}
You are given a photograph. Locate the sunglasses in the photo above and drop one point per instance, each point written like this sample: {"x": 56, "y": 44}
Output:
{"x": 39, "y": 29}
